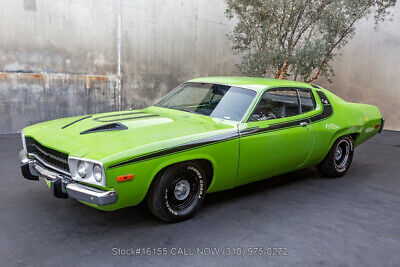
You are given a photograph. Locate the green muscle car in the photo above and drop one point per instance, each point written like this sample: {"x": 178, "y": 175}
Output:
{"x": 207, "y": 135}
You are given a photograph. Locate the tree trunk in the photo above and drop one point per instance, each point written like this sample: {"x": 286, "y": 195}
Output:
{"x": 316, "y": 77}
{"x": 278, "y": 73}
{"x": 284, "y": 70}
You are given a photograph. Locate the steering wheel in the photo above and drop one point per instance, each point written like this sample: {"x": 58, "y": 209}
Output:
{"x": 270, "y": 115}
{"x": 261, "y": 116}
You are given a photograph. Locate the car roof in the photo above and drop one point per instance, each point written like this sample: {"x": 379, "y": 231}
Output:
{"x": 257, "y": 84}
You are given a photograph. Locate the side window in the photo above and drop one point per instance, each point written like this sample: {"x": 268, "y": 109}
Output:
{"x": 275, "y": 104}
{"x": 306, "y": 101}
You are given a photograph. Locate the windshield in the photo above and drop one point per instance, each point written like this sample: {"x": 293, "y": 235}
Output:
{"x": 214, "y": 100}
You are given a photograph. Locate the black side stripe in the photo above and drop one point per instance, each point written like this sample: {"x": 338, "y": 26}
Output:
{"x": 130, "y": 118}
{"x": 118, "y": 114}
{"x": 81, "y": 119}
{"x": 188, "y": 146}
{"x": 326, "y": 113}
{"x": 273, "y": 127}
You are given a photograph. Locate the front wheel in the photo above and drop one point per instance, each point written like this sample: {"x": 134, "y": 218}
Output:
{"x": 339, "y": 158}
{"x": 178, "y": 192}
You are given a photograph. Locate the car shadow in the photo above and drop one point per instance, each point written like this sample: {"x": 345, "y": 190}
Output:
{"x": 69, "y": 218}
{"x": 140, "y": 215}
{"x": 262, "y": 186}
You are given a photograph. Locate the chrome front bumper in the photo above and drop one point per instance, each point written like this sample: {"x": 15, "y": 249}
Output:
{"x": 62, "y": 186}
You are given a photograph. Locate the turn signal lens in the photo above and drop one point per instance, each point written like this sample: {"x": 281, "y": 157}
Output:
{"x": 125, "y": 178}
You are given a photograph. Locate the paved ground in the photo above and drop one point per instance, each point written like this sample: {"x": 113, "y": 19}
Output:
{"x": 350, "y": 221}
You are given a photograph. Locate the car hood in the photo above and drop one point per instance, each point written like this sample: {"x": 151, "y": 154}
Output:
{"x": 98, "y": 136}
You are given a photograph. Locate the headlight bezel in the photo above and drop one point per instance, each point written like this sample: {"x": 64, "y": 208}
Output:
{"x": 89, "y": 177}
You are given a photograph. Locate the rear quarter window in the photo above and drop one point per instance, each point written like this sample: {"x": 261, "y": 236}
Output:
{"x": 307, "y": 102}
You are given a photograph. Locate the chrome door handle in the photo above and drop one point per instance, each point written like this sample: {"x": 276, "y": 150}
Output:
{"x": 303, "y": 124}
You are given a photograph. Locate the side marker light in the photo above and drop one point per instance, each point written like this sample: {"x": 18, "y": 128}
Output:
{"x": 125, "y": 178}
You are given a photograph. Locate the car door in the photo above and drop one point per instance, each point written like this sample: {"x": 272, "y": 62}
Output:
{"x": 277, "y": 137}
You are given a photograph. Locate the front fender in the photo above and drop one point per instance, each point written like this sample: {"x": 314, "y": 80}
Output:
{"x": 182, "y": 158}
{"x": 223, "y": 157}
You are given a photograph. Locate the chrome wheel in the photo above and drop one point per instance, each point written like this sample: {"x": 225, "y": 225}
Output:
{"x": 339, "y": 158}
{"x": 338, "y": 154}
{"x": 182, "y": 190}
{"x": 342, "y": 154}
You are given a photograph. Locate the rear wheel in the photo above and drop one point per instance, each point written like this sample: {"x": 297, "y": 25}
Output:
{"x": 178, "y": 192}
{"x": 339, "y": 158}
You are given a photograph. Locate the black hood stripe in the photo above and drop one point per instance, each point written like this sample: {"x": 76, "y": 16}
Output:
{"x": 81, "y": 119}
{"x": 119, "y": 114}
{"x": 130, "y": 118}
{"x": 327, "y": 112}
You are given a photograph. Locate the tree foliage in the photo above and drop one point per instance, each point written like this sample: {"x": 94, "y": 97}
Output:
{"x": 297, "y": 38}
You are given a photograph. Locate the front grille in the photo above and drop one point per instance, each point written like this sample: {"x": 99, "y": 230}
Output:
{"x": 49, "y": 156}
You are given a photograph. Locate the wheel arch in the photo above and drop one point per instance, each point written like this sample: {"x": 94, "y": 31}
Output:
{"x": 353, "y": 132}
{"x": 207, "y": 162}
{"x": 355, "y": 136}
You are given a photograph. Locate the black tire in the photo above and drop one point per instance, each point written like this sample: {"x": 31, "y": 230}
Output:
{"x": 178, "y": 192}
{"x": 339, "y": 158}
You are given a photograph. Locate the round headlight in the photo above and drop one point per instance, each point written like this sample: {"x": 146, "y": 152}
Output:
{"x": 97, "y": 173}
{"x": 81, "y": 168}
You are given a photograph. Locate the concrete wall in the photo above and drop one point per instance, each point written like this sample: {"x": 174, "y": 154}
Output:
{"x": 71, "y": 57}
{"x": 167, "y": 42}
{"x": 57, "y": 58}
{"x": 368, "y": 69}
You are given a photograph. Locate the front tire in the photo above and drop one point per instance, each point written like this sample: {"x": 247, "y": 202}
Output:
{"x": 339, "y": 158}
{"x": 178, "y": 192}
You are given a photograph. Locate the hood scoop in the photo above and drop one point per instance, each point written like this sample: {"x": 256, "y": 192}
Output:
{"x": 117, "y": 126}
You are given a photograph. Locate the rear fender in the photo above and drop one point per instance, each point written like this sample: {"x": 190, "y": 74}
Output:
{"x": 372, "y": 122}
{"x": 354, "y": 131}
